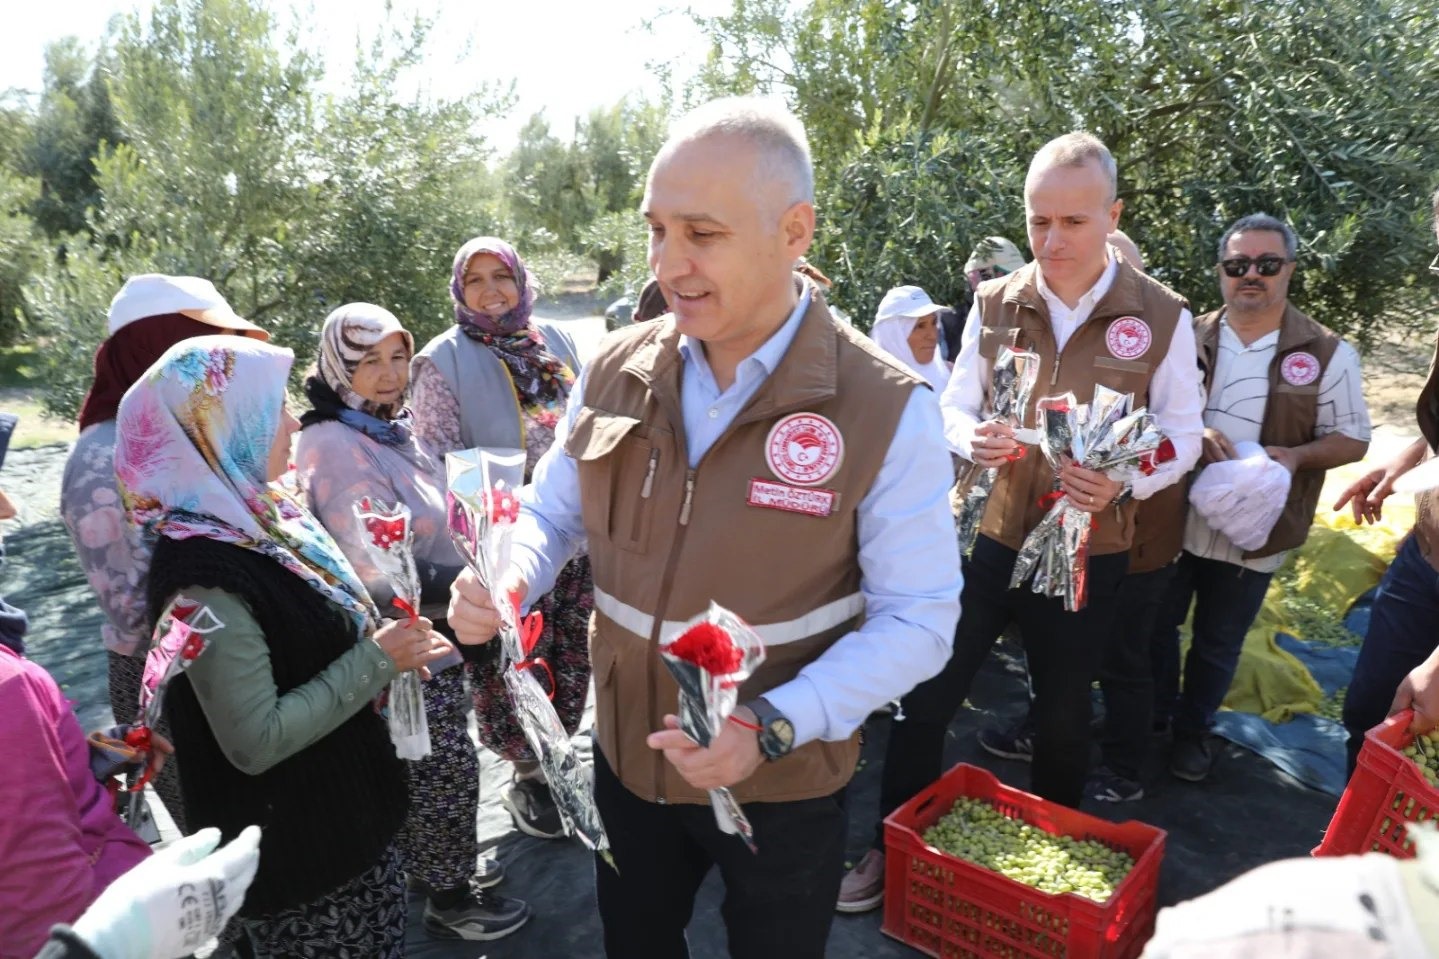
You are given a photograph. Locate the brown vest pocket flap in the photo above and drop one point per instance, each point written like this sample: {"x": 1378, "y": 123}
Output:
{"x": 596, "y": 433}
{"x": 991, "y": 338}
{"x": 1126, "y": 366}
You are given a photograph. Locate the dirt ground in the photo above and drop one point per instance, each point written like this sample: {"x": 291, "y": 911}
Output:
{"x": 1247, "y": 814}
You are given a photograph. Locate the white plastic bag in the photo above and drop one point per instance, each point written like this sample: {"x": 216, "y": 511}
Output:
{"x": 1242, "y": 498}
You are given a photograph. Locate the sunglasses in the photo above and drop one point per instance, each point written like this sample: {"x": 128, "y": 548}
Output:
{"x": 990, "y": 272}
{"x": 1266, "y": 265}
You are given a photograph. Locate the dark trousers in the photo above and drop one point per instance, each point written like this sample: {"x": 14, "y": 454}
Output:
{"x": 1403, "y": 631}
{"x": 1226, "y": 599}
{"x": 1126, "y": 677}
{"x": 1064, "y": 652}
{"x": 777, "y": 903}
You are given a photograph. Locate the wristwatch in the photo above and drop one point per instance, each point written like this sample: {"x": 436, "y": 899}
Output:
{"x": 1125, "y": 494}
{"x": 776, "y": 732}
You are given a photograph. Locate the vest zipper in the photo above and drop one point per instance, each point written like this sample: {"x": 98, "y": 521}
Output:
{"x": 689, "y": 495}
{"x": 1054, "y": 376}
{"x": 649, "y": 486}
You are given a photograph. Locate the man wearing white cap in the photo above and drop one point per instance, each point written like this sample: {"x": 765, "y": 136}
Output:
{"x": 906, "y": 328}
{"x": 151, "y": 313}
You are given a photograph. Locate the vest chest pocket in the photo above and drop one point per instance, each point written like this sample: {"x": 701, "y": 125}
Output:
{"x": 991, "y": 338}
{"x": 1126, "y": 376}
{"x": 619, "y": 460}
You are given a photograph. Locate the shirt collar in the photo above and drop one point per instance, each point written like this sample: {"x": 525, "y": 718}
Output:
{"x": 1091, "y": 297}
{"x": 1268, "y": 341}
{"x": 770, "y": 353}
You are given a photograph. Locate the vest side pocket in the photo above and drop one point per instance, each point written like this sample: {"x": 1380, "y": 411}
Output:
{"x": 619, "y": 463}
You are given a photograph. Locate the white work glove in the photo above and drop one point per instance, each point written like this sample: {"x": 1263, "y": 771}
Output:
{"x": 174, "y": 902}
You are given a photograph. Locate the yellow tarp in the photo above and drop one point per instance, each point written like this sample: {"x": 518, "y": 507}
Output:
{"x": 1337, "y": 565}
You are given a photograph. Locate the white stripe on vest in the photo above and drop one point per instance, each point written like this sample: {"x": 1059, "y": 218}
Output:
{"x": 810, "y": 624}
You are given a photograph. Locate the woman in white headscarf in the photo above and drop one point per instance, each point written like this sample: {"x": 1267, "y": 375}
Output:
{"x": 907, "y": 327}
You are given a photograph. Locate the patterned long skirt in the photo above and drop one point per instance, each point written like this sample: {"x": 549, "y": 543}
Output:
{"x": 438, "y": 844}
{"x": 564, "y": 646}
{"x": 363, "y": 919}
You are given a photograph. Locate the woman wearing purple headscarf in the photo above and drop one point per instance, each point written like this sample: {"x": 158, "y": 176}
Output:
{"x": 501, "y": 378}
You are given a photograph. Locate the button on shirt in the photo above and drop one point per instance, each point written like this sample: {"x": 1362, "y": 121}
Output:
{"x": 1237, "y": 400}
{"x": 1176, "y": 391}
{"x": 909, "y": 562}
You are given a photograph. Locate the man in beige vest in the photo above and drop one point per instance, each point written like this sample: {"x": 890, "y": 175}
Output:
{"x": 1274, "y": 377}
{"x": 1403, "y": 636}
{"x": 1092, "y": 318}
{"x": 748, "y": 450}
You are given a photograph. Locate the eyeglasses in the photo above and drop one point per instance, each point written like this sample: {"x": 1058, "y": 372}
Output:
{"x": 990, "y": 273}
{"x": 1266, "y": 265}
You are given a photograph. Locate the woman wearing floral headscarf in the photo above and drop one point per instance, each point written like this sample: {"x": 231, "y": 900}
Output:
{"x": 501, "y": 378}
{"x": 358, "y": 441}
{"x": 273, "y": 718}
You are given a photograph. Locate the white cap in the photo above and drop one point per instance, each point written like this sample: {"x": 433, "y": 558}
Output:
{"x": 155, "y": 294}
{"x": 995, "y": 251}
{"x": 906, "y": 301}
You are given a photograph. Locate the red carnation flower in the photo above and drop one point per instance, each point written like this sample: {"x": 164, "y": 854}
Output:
{"x": 709, "y": 647}
{"x": 1161, "y": 454}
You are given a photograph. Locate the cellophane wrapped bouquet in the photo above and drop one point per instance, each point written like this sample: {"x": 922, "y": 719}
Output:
{"x": 483, "y": 498}
{"x": 389, "y": 540}
{"x": 714, "y": 654}
{"x": 1107, "y": 437}
{"x": 1015, "y": 373}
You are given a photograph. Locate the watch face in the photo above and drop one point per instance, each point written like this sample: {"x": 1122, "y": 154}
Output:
{"x": 780, "y": 733}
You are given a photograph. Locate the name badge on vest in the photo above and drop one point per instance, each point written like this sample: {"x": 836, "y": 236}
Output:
{"x": 1300, "y": 369}
{"x": 1128, "y": 337}
{"x": 804, "y": 450}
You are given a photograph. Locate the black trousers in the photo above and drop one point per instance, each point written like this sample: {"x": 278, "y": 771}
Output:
{"x": 1064, "y": 651}
{"x": 1127, "y": 675}
{"x": 777, "y": 903}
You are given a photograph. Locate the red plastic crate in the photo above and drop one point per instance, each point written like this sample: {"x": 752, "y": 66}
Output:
{"x": 947, "y": 907}
{"x": 1386, "y": 791}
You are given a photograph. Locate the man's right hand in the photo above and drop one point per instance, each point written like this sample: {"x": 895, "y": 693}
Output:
{"x": 1366, "y": 495}
{"x": 994, "y": 445}
{"x": 1420, "y": 692}
{"x": 473, "y": 615}
{"x": 1216, "y": 448}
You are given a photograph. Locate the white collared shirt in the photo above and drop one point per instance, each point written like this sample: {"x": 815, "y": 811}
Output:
{"x": 1237, "y": 400}
{"x": 1176, "y": 391}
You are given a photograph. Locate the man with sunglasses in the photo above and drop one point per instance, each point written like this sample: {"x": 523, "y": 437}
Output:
{"x": 1275, "y": 377}
{"x": 1402, "y": 638}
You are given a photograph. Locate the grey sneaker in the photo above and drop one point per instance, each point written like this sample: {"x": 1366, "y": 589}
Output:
{"x": 1015, "y": 742}
{"x": 533, "y": 809}
{"x": 489, "y": 873}
{"x": 862, "y": 888}
{"x": 1108, "y": 786}
{"x": 1192, "y": 758}
{"x": 480, "y": 917}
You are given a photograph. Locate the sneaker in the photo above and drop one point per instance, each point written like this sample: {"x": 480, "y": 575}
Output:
{"x": 1192, "y": 758}
{"x": 490, "y": 873}
{"x": 1015, "y": 742}
{"x": 533, "y": 808}
{"x": 1108, "y": 786}
{"x": 862, "y": 888}
{"x": 483, "y": 916}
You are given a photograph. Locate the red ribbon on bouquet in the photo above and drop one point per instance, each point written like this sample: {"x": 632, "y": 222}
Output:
{"x": 530, "y": 628}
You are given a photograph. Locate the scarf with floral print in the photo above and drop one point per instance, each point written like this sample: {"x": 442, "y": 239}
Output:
{"x": 192, "y": 458}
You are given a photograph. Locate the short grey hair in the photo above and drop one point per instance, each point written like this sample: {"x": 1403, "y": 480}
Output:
{"x": 767, "y": 125}
{"x": 1256, "y": 222}
{"x": 1077, "y": 149}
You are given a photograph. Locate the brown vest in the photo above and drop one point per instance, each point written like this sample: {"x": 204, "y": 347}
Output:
{"x": 1014, "y": 313}
{"x": 1159, "y": 528}
{"x": 665, "y": 540}
{"x": 1289, "y": 414}
{"x": 1426, "y": 519}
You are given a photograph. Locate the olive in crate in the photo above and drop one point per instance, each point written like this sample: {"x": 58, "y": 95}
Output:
{"x": 977, "y": 832}
{"x": 1424, "y": 752}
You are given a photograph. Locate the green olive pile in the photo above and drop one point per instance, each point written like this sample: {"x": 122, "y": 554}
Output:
{"x": 1425, "y": 753}
{"x": 977, "y": 832}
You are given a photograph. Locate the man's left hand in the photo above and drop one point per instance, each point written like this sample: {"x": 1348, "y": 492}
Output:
{"x": 730, "y": 758}
{"x": 1285, "y": 457}
{"x": 1090, "y": 491}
